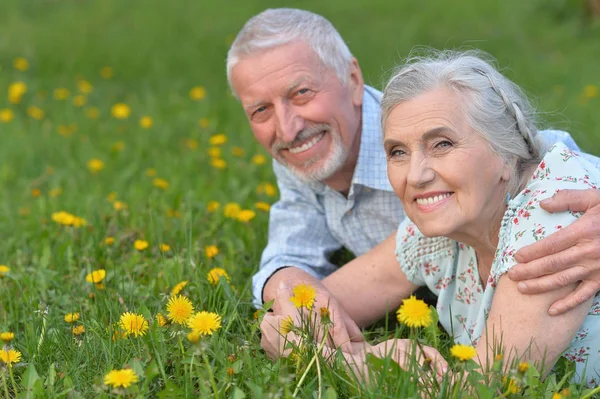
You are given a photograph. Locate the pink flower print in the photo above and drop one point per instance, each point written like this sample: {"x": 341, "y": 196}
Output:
{"x": 538, "y": 232}
{"x": 516, "y": 220}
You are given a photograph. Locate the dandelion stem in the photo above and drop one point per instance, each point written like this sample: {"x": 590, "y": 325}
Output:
{"x": 210, "y": 375}
{"x": 5, "y": 386}
{"x": 314, "y": 359}
{"x": 591, "y": 393}
{"x": 12, "y": 380}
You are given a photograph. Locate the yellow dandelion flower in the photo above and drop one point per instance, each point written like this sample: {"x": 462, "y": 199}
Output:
{"x": 120, "y": 111}
{"x": 204, "y": 323}
{"x": 197, "y": 93}
{"x": 78, "y": 330}
{"x": 238, "y": 151}
{"x": 96, "y": 276}
{"x": 498, "y": 357}
{"x": 161, "y": 320}
{"x": 214, "y": 152}
{"x": 63, "y": 218}
{"x": 231, "y": 210}
{"x": 118, "y": 146}
{"x": 463, "y": 352}
{"x": 133, "y": 324}
{"x": 119, "y": 206}
{"x": 203, "y": 122}
{"x": 194, "y": 337}
{"x": 160, "y": 183}
{"x": 6, "y": 115}
{"x": 212, "y": 206}
{"x": 523, "y": 367}
{"x": 79, "y": 100}
{"x": 7, "y": 336}
{"x": 211, "y": 251}
{"x": 120, "y": 378}
{"x": 35, "y": 112}
{"x": 84, "y": 86}
{"x": 512, "y": 386}
{"x": 107, "y": 72}
{"x": 61, "y": 93}
{"x": 266, "y": 188}
{"x": 164, "y": 247}
{"x": 3, "y": 270}
{"x": 192, "y": 144}
{"x": 36, "y": 192}
{"x": 100, "y": 286}
{"x": 218, "y": 139}
{"x": 24, "y": 211}
{"x": 304, "y": 296}
{"x": 151, "y": 172}
{"x": 215, "y": 274}
{"x": 218, "y": 163}
{"x": 9, "y": 356}
{"x": 95, "y": 165}
{"x": 179, "y": 309}
{"x": 286, "y": 325}
{"x": 259, "y": 159}
{"x": 140, "y": 245}
{"x": 108, "y": 241}
{"x": 173, "y": 213}
{"x": 16, "y": 91}
{"x": 146, "y": 122}
{"x": 178, "y": 287}
{"x": 92, "y": 112}
{"x": 557, "y": 395}
{"x": 78, "y": 222}
{"x": 21, "y": 64}
{"x": 590, "y": 91}
{"x": 246, "y": 215}
{"x": 72, "y": 317}
{"x": 55, "y": 192}
{"x": 414, "y": 313}
{"x": 262, "y": 206}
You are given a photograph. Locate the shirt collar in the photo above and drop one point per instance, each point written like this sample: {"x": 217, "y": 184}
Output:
{"x": 371, "y": 167}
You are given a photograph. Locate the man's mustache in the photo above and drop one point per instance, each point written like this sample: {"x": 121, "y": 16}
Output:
{"x": 304, "y": 135}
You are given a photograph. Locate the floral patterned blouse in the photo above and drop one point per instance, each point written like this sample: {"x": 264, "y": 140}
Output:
{"x": 449, "y": 268}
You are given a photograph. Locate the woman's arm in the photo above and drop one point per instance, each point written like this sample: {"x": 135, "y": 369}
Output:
{"x": 525, "y": 330}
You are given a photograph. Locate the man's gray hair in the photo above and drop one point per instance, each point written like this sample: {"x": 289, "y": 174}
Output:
{"x": 496, "y": 108}
{"x": 277, "y": 27}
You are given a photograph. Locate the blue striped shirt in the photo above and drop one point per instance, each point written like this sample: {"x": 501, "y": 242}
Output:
{"x": 311, "y": 221}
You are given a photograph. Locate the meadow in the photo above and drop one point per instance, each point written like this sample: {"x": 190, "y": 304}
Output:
{"x": 133, "y": 194}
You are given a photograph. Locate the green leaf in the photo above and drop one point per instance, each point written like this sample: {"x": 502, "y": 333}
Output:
{"x": 238, "y": 393}
{"x": 330, "y": 393}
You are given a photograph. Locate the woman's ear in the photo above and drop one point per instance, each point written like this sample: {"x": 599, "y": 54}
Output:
{"x": 507, "y": 170}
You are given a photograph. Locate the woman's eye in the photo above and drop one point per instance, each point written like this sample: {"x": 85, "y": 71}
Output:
{"x": 396, "y": 153}
{"x": 443, "y": 144}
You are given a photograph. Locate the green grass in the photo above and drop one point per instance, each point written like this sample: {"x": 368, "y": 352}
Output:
{"x": 159, "y": 50}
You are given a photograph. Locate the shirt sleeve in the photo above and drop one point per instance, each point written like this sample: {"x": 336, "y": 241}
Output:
{"x": 551, "y": 137}
{"x": 298, "y": 234}
{"x": 525, "y": 222}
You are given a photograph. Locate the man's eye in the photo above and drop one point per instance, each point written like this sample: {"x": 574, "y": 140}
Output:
{"x": 259, "y": 110}
{"x": 302, "y": 91}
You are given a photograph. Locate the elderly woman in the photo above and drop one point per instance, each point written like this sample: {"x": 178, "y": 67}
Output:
{"x": 463, "y": 156}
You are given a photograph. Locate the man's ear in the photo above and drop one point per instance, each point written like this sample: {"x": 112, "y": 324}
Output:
{"x": 356, "y": 83}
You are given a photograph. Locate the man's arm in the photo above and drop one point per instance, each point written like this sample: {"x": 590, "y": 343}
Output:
{"x": 570, "y": 255}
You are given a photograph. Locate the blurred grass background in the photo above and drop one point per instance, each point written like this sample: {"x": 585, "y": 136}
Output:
{"x": 158, "y": 51}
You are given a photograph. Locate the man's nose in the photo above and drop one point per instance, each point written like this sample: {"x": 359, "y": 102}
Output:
{"x": 289, "y": 122}
{"x": 420, "y": 171}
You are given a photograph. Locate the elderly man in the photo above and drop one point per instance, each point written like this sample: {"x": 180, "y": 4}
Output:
{"x": 307, "y": 104}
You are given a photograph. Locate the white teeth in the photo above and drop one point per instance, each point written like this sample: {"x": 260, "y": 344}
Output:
{"x": 309, "y": 144}
{"x": 432, "y": 200}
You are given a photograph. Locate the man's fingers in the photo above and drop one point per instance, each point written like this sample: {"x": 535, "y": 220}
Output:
{"x": 554, "y": 243}
{"x": 354, "y": 330}
{"x": 438, "y": 363}
{"x": 573, "y": 200}
{"x": 282, "y": 304}
{"x": 553, "y": 281}
{"x": 584, "y": 291}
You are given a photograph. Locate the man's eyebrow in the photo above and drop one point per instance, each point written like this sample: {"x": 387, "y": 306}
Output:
{"x": 295, "y": 84}
{"x": 253, "y": 105}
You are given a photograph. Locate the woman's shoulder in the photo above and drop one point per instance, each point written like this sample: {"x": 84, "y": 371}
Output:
{"x": 565, "y": 167}
{"x": 414, "y": 250}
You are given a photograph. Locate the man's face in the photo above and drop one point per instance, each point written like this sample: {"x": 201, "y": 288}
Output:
{"x": 299, "y": 110}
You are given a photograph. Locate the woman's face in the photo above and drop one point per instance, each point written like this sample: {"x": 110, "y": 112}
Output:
{"x": 448, "y": 178}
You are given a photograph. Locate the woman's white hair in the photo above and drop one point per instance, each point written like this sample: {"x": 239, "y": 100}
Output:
{"x": 496, "y": 108}
{"x": 277, "y": 27}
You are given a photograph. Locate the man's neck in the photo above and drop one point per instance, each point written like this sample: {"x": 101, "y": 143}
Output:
{"x": 341, "y": 180}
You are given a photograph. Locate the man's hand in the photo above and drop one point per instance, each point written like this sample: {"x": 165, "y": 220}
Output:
{"x": 570, "y": 255}
{"x": 342, "y": 333}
